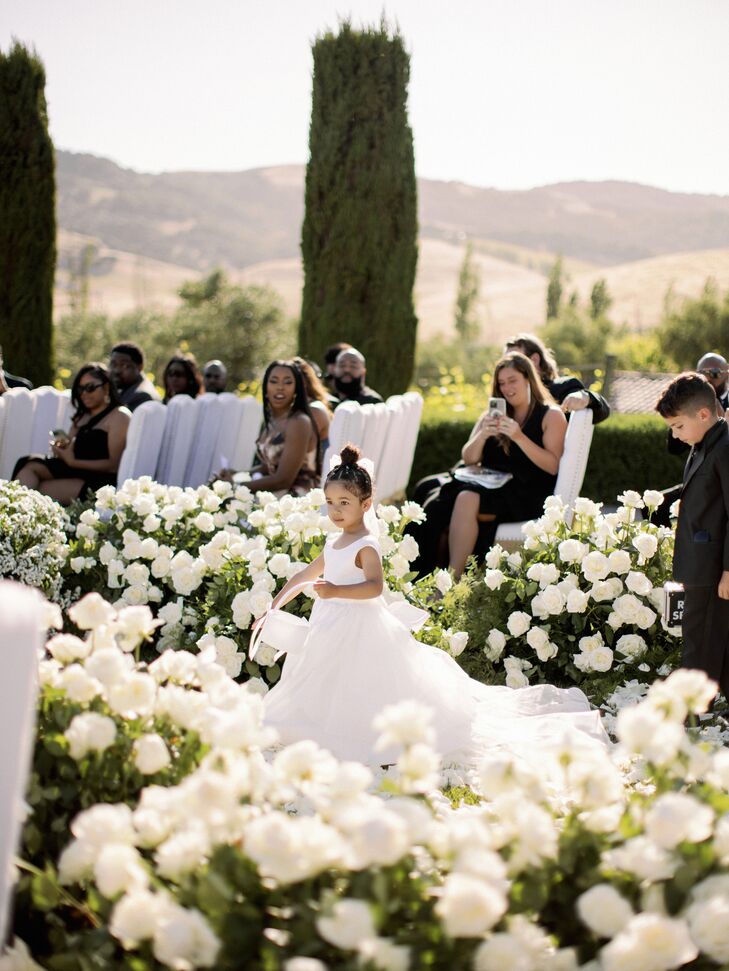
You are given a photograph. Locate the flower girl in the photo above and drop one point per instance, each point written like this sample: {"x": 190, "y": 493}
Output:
{"x": 359, "y": 656}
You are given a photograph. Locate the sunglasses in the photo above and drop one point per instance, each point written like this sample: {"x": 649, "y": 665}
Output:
{"x": 91, "y": 386}
{"x": 176, "y": 374}
{"x": 713, "y": 372}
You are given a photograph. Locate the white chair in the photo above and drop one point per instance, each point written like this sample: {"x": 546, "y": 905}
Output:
{"x": 177, "y": 440}
{"x": 377, "y": 420}
{"x": 52, "y": 410}
{"x": 242, "y": 454}
{"x": 347, "y": 426}
{"x": 233, "y": 410}
{"x": 388, "y": 474}
{"x": 207, "y": 427}
{"x": 19, "y": 406}
{"x": 21, "y": 611}
{"x": 144, "y": 441}
{"x": 571, "y": 473}
{"x": 413, "y": 410}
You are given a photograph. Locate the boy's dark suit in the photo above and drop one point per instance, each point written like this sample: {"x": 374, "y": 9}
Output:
{"x": 702, "y": 554}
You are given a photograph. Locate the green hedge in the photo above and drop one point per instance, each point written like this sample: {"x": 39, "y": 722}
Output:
{"x": 628, "y": 452}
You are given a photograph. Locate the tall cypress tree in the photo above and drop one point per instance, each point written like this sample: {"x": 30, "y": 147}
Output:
{"x": 27, "y": 217}
{"x": 359, "y": 237}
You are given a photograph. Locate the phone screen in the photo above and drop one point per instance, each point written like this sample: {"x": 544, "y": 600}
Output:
{"x": 497, "y": 407}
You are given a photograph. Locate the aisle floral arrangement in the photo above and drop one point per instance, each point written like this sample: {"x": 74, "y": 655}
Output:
{"x": 33, "y": 544}
{"x": 194, "y": 844}
{"x": 580, "y": 603}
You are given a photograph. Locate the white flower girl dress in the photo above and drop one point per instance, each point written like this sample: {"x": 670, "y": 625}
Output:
{"x": 359, "y": 657}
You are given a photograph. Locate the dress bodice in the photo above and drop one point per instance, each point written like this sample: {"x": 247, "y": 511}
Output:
{"x": 528, "y": 477}
{"x": 339, "y": 565}
{"x": 270, "y": 446}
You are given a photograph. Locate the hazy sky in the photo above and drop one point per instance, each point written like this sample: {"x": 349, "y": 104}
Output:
{"x": 505, "y": 93}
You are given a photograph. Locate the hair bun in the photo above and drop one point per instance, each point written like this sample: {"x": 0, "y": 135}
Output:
{"x": 350, "y": 454}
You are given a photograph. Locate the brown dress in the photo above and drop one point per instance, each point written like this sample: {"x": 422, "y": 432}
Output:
{"x": 270, "y": 446}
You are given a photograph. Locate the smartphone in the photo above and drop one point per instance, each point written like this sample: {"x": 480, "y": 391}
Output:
{"x": 497, "y": 407}
{"x": 60, "y": 436}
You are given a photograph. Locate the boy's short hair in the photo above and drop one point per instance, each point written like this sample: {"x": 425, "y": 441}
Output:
{"x": 685, "y": 395}
{"x": 132, "y": 350}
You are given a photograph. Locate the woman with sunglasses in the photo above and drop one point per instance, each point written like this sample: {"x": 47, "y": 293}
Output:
{"x": 182, "y": 376}
{"x": 88, "y": 457}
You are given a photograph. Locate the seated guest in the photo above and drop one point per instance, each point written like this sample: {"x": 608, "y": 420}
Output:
{"x": 526, "y": 443}
{"x": 349, "y": 379}
{"x": 88, "y": 457}
{"x": 319, "y": 401}
{"x": 288, "y": 446}
{"x": 568, "y": 392}
{"x": 215, "y": 377}
{"x": 126, "y": 366}
{"x": 330, "y": 360}
{"x": 716, "y": 371}
{"x": 8, "y": 380}
{"x": 181, "y": 376}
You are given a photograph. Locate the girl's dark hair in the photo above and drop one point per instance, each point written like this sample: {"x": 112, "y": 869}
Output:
{"x": 101, "y": 373}
{"x": 353, "y": 477}
{"x": 315, "y": 390}
{"x": 300, "y": 403}
{"x": 192, "y": 373}
{"x": 530, "y": 344}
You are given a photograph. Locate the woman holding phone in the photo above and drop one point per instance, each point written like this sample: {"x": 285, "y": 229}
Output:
{"x": 88, "y": 456}
{"x": 512, "y": 458}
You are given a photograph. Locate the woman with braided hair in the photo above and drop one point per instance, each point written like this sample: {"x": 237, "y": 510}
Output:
{"x": 359, "y": 656}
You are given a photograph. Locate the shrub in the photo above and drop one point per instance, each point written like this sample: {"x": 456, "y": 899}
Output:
{"x": 33, "y": 546}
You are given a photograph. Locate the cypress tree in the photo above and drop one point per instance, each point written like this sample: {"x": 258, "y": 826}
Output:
{"x": 27, "y": 217}
{"x": 359, "y": 237}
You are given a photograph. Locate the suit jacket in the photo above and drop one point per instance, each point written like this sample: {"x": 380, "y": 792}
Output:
{"x": 13, "y": 381}
{"x": 702, "y": 533}
{"x": 561, "y": 387}
{"x": 139, "y": 392}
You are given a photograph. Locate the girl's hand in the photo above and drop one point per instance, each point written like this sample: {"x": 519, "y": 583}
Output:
{"x": 510, "y": 428}
{"x": 487, "y": 425}
{"x": 325, "y": 589}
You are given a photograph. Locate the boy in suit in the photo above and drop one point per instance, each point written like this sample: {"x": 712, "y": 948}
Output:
{"x": 701, "y": 555}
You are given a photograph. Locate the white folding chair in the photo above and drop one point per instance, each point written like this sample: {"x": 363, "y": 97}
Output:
{"x": 177, "y": 440}
{"x": 571, "y": 473}
{"x": 207, "y": 426}
{"x": 51, "y": 411}
{"x": 390, "y": 460}
{"x": 144, "y": 441}
{"x": 232, "y": 410}
{"x": 19, "y": 406}
{"x": 242, "y": 455}
{"x": 347, "y": 425}
{"x": 413, "y": 409}
{"x": 21, "y": 611}
{"x": 377, "y": 420}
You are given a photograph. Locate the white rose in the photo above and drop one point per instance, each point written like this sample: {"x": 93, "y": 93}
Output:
{"x": 577, "y": 602}
{"x": 545, "y": 652}
{"x": 494, "y": 556}
{"x": 457, "y": 641}
{"x": 91, "y": 611}
{"x": 646, "y": 544}
{"x": 241, "y": 609}
{"x": 119, "y": 868}
{"x": 518, "y": 623}
{"x": 279, "y": 563}
{"x": 537, "y": 637}
{"x": 494, "y": 579}
{"x": 78, "y": 685}
{"x": 399, "y": 565}
{"x": 643, "y": 858}
{"x": 90, "y": 732}
{"x": 204, "y": 522}
{"x": 552, "y": 599}
{"x": 602, "y": 658}
{"x": 604, "y": 910}
{"x": 516, "y": 679}
{"x": 469, "y": 906}
{"x": 134, "y": 625}
{"x": 183, "y": 939}
{"x": 304, "y": 964}
{"x": 405, "y": 723}
{"x": 595, "y": 566}
{"x": 631, "y": 646}
{"x": 650, "y": 942}
{"x": 708, "y": 921}
{"x": 495, "y": 644}
{"x": 631, "y": 499}
{"x": 620, "y": 561}
{"x": 151, "y": 755}
{"x": 66, "y": 647}
{"x": 109, "y": 665}
{"x": 349, "y": 924}
{"x": 418, "y": 768}
{"x": 107, "y": 553}
{"x": 133, "y": 697}
{"x": 638, "y": 583}
{"x": 514, "y": 560}
{"x": 384, "y": 954}
{"x": 676, "y": 817}
{"x": 502, "y": 952}
{"x": 408, "y": 548}
{"x": 412, "y": 512}
{"x": 571, "y": 551}
{"x": 443, "y": 581}
{"x": 135, "y": 917}
{"x": 652, "y": 498}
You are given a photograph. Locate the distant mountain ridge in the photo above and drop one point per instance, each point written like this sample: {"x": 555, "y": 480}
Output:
{"x": 237, "y": 219}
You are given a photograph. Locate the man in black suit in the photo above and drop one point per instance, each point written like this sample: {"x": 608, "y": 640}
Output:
{"x": 350, "y": 372}
{"x": 126, "y": 365}
{"x": 701, "y": 554}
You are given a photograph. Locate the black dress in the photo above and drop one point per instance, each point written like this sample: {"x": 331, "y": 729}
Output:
{"x": 520, "y": 498}
{"x": 90, "y": 444}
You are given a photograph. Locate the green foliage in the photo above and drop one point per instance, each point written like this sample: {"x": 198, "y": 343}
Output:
{"x": 359, "y": 237}
{"x": 576, "y": 337}
{"x": 244, "y": 326}
{"x": 612, "y": 466}
{"x": 600, "y": 299}
{"x": 466, "y": 314}
{"x": 27, "y": 217}
{"x": 442, "y": 362}
{"x": 696, "y": 327}
{"x": 641, "y": 352}
{"x": 555, "y": 290}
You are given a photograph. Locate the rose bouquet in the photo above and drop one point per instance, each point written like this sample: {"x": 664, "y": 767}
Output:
{"x": 33, "y": 544}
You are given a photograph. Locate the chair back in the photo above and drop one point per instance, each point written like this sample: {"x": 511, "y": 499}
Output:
{"x": 177, "y": 440}
{"x": 52, "y": 409}
{"x": 377, "y": 421}
{"x": 243, "y": 453}
{"x": 17, "y": 429}
{"x": 144, "y": 441}
{"x": 347, "y": 425}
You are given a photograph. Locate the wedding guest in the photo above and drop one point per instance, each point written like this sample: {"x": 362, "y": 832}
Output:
{"x": 289, "y": 458}
{"x": 181, "y": 376}
{"x": 215, "y": 377}
{"x": 330, "y": 360}
{"x": 570, "y": 393}
{"x": 526, "y": 444}
{"x": 350, "y": 372}
{"x": 88, "y": 456}
{"x": 126, "y": 366}
{"x": 319, "y": 401}
{"x": 716, "y": 371}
